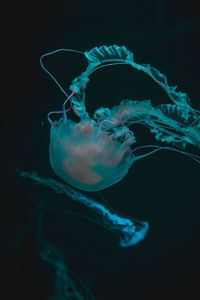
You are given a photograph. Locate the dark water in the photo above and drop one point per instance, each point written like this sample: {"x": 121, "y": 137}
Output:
{"x": 163, "y": 189}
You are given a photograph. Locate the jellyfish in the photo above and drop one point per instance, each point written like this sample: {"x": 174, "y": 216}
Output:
{"x": 98, "y": 151}
{"x": 129, "y": 231}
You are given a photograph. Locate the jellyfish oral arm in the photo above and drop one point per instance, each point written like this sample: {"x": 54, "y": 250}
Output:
{"x": 161, "y": 120}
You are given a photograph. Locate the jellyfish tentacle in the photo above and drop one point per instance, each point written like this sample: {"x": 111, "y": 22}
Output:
{"x": 66, "y": 110}
{"x": 196, "y": 158}
{"x": 53, "y": 112}
{"x": 56, "y": 81}
{"x": 49, "y": 73}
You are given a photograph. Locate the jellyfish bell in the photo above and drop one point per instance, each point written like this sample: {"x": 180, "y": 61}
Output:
{"x": 88, "y": 156}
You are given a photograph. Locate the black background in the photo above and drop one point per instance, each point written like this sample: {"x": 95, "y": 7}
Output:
{"x": 162, "y": 189}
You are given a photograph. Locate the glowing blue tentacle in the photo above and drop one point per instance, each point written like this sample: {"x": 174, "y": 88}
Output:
{"x": 52, "y": 76}
{"x": 158, "y": 148}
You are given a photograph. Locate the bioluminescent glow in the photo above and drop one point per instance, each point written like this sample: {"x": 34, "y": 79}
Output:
{"x": 129, "y": 230}
{"x": 97, "y": 152}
